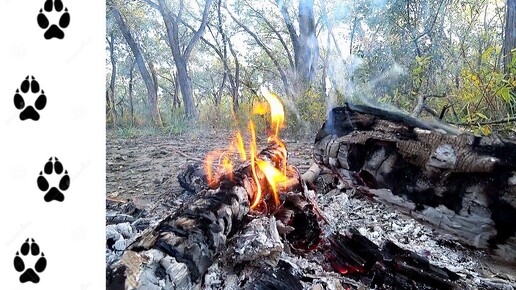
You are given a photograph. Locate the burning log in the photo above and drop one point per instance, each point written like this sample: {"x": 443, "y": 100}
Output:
{"x": 460, "y": 183}
{"x": 180, "y": 248}
{"x": 176, "y": 252}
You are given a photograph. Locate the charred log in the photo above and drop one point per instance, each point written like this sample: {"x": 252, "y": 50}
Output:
{"x": 193, "y": 179}
{"x": 298, "y": 222}
{"x": 463, "y": 184}
{"x": 179, "y": 249}
{"x": 388, "y": 268}
{"x": 278, "y": 278}
{"x": 120, "y": 211}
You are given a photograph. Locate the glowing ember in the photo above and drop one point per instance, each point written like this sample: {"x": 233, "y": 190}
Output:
{"x": 259, "y": 168}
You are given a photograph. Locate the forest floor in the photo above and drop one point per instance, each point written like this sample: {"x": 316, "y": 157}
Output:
{"x": 144, "y": 169}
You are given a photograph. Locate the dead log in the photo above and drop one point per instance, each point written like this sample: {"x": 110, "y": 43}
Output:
{"x": 460, "y": 183}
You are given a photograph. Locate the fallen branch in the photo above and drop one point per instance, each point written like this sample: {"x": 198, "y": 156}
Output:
{"x": 500, "y": 121}
{"x": 421, "y": 105}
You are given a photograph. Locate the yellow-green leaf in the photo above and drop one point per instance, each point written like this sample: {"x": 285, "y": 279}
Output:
{"x": 481, "y": 115}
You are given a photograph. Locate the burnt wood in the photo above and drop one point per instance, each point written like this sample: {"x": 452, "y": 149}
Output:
{"x": 460, "y": 183}
{"x": 175, "y": 253}
{"x": 390, "y": 267}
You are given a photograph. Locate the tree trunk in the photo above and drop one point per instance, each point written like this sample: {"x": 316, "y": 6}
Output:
{"x": 306, "y": 47}
{"x": 181, "y": 56}
{"x": 111, "y": 95}
{"x": 153, "y": 103}
{"x": 236, "y": 82}
{"x": 176, "y": 101}
{"x": 309, "y": 47}
{"x": 131, "y": 106}
{"x": 509, "y": 42}
{"x": 152, "y": 94}
{"x": 186, "y": 88}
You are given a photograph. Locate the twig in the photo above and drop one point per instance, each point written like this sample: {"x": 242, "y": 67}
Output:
{"x": 501, "y": 121}
{"x": 309, "y": 176}
{"x": 422, "y": 106}
{"x": 186, "y": 155}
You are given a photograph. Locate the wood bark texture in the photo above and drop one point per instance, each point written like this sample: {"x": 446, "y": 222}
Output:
{"x": 460, "y": 183}
{"x": 509, "y": 42}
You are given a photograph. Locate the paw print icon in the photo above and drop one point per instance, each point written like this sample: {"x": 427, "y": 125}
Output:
{"x": 53, "y": 180}
{"x": 53, "y": 9}
{"x": 30, "y": 91}
{"x": 29, "y": 252}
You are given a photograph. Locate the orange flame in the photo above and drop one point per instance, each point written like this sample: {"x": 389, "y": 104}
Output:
{"x": 277, "y": 111}
{"x": 228, "y": 166}
{"x": 260, "y": 108}
{"x": 208, "y": 166}
{"x": 272, "y": 175}
{"x": 240, "y": 146}
{"x": 252, "y": 152}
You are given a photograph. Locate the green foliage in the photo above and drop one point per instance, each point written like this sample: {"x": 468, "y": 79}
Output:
{"x": 486, "y": 93}
{"x": 421, "y": 67}
{"x": 400, "y": 50}
{"x": 175, "y": 122}
{"x": 309, "y": 112}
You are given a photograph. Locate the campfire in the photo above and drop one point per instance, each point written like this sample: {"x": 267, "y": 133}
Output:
{"x": 270, "y": 166}
{"x": 254, "y": 221}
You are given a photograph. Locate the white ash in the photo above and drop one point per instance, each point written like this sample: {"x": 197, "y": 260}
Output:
{"x": 220, "y": 276}
{"x": 379, "y": 223}
{"x": 121, "y": 235}
{"x": 258, "y": 244}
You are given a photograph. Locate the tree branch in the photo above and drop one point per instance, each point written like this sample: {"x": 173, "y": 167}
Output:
{"x": 500, "y": 121}
{"x": 278, "y": 66}
{"x": 200, "y": 31}
{"x": 422, "y": 106}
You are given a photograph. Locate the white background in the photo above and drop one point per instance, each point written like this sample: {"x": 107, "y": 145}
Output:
{"x": 71, "y": 71}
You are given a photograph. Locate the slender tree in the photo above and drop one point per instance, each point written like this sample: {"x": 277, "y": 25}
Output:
{"x": 150, "y": 84}
{"x": 180, "y": 53}
{"x": 509, "y": 42}
{"x": 110, "y": 96}
{"x": 304, "y": 42}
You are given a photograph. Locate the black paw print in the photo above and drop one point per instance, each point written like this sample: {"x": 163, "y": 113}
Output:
{"x": 29, "y": 275}
{"x": 55, "y": 30}
{"x": 53, "y": 168}
{"x": 28, "y": 112}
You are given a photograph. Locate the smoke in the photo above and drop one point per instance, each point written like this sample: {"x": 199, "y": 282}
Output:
{"x": 361, "y": 68}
